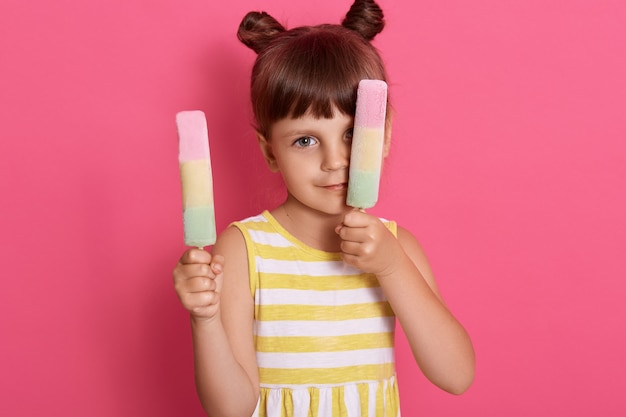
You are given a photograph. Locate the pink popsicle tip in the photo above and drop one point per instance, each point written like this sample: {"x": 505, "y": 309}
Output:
{"x": 371, "y": 103}
{"x": 193, "y": 135}
{"x": 378, "y": 84}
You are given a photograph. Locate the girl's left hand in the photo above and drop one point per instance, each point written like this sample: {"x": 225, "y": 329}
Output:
{"x": 368, "y": 244}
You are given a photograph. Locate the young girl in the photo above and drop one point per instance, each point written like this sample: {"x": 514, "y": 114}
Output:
{"x": 293, "y": 313}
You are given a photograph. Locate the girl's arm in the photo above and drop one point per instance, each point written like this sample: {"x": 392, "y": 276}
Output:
{"x": 225, "y": 366}
{"x": 441, "y": 346}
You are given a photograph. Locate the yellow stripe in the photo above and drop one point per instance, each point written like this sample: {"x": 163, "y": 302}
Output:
{"x": 393, "y": 399}
{"x": 292, "y": 253}
{"x": 324, "y": 313}
{"x": 323, "y": 283}
{"x": 263, "y": 402}
{"x": 337, "y": 402}
{"x": 315, "y": 402}
{"x": 324, "y": 344}
{"x": 364, "y": 394}
{"x": 342, "y": 375}
{"x": 287, "y": 409}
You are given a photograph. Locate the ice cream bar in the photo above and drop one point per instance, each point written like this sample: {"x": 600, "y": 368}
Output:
{"x": 196, "y": 178}
{"x": 367, "y": 144}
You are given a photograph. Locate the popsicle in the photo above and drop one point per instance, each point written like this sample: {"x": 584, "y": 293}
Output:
{"x": 196, "y": 178}
{"x": 367, "y": 144}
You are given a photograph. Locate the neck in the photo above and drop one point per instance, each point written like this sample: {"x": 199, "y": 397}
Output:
{"x": 312, "y": 227}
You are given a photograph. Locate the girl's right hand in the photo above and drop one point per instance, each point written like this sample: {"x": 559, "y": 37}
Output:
{"x": 198, "y": 282}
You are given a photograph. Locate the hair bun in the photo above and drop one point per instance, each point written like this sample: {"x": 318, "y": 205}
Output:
{"x": 366, "y": 18}
{"x": 257, "y": 29}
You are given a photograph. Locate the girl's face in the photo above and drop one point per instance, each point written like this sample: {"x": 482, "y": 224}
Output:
{"x": 312, "y": 156}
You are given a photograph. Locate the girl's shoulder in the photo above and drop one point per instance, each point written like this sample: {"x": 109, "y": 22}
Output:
{"x": 414, "y": 250}
{"x": 410, "y": 244}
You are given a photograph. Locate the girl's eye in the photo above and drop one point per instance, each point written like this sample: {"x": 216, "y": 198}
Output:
{"x": 349, "y": 135}
{"x": 305, "y": 141}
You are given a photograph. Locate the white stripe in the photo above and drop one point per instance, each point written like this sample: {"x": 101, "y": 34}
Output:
{"x": 301, "y": 402}
{"x": 352, "y": 400}
{"x": 269, "y": 238}
{"x": 274, "y": 403}
{"x": 322, "y": 360}
{"x": 325, "y": 408}
{"x": 258, "y": 219}
{"x": 267, "y": 297}
{"x": 325, "y": 328}
{"x": 316, "y": 269}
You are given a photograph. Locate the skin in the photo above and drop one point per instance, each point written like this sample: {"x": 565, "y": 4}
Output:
{"x": 312, "y": 155}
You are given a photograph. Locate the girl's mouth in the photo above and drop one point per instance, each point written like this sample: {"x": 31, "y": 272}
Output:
{"x": 336, "y": 187}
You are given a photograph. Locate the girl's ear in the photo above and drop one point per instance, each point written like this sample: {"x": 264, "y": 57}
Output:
{"x": 387, "y": 142}
{"x": 266, "y": 148}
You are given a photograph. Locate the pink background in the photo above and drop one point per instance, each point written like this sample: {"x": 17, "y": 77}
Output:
{"x": 508, "y": 163}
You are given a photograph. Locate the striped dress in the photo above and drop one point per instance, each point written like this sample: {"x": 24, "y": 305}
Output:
{"x": 324, "y": 332}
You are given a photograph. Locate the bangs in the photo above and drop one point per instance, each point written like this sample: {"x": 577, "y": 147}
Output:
{"x": 315, "y": 71}
{"x": 308, "y": 92}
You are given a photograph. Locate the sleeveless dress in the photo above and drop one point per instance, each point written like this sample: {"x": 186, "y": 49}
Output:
{"x": 323, "y": 330}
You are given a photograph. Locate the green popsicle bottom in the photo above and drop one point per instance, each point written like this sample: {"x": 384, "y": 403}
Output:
{"x": 199, "y": 225}
{"x": 362, "y": 188}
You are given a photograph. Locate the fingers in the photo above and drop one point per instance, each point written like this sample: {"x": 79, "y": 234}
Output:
{"x": 199, "y": 292}
{"x": 201, "y": 257}
{"x": 359, "y": 229}
{"x": 197, "y": 281}
{"x": 357, "y": 248}
{"x": 357, "y": 218}
{"x": 195, "y": 256}
{"x": 198, "y": 262}
{"x": 217, "y": 264}
{"x": 365, "y": 241}
{"x": 351, "y": 234}
{"x": 184, "y": 272}
{"x": 193, "y": 279}
{"x": 200, "y": 284}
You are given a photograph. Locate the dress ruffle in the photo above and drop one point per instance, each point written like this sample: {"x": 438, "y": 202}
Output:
{"x": 363, "y": 399}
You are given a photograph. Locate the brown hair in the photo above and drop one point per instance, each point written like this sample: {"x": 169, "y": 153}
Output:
{"x": 311, "y": 68}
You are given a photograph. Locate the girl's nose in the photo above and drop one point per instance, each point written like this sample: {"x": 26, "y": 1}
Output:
{"x": 336, "y": 156}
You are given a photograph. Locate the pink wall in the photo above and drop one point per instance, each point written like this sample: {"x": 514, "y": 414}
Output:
{"x": 508, "y": 163}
